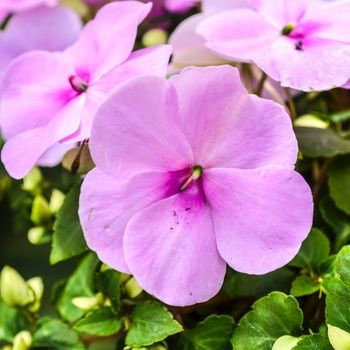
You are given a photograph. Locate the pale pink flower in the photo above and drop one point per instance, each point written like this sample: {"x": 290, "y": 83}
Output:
{"x": 194, "y": 175}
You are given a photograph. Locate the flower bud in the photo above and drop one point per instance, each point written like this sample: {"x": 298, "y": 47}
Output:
{"x": 88, "y": 303}
{"x": 339, "y": 338}
{"x": 40, "y": 211}
{"x": 32, "y": 180}
{"x": 154, "y": 37}
{"x": 39, "y": 235}
{"x": 22, "y": 341}
{"x": 37, "y": 286}
{"x": 56, "y": 201}
{"x": 286, "y": 342}
{"x": 133, "y": 288}
{"x": 311, "y": 121}
{"x": 13, "y": 288}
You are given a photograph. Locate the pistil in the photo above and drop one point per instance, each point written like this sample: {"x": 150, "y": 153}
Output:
{"x": 77, "y": 83}
{"x": 196, "y": 173}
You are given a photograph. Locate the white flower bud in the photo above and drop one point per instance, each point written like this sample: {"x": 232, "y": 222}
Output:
{"x": 286, "y": 342}
{"x": 339, "y": 338}
{"x": 22, "y": 341}
{"x": 132, "y": 288}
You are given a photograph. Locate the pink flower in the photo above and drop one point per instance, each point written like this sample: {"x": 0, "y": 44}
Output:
{"x": 59, "y": 93}
{"x": 195, "y": 175}
{"x": 10, "y": 6}
{"x": 303, "y": 44}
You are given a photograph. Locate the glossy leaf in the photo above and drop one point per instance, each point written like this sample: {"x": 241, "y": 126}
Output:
{"x": 109, "y": 283}
{"x": 272, "y": 316}
{"x": 339, "y": 182}
{"x": 213, "y": 333}
{"x": 101, "y": 322}
{"x": 53, "y": 334}
{"x": 342, "y": 265}
{"x": 151, "y": 322}
{"x": 68, "y": 238}
{"x": 316, "y": 142}
{"x": 304, "y": 285}
{"x": 80, "y": 284}
{"x": 11, "y": 322}
{"x": 313, "y": 251}
{"x": 314, "y": 342}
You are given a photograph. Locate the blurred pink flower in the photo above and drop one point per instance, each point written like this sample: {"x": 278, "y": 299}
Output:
{"x": 60, "y": 92}
{"x": 14, "y": 6}
{"x": 195, "y": 175}
{"x": 303, "y": 44}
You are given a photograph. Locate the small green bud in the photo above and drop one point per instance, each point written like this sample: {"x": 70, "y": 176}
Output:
{"x": 154, "y": 37}
{"x": 124, "y": 277}
{"x": 311, "y": 121}
{"x": 37, "y": 286}
{"x": 132, "y": 288}
{"x": 13, "y": 288}
{"x": 39, "y": 235}
{"x": 22, "y": 341}
{"x": 286, "y": 342}
{"x": 56, "y": 201}
{"x": 88, "y": 303}
{"x": 7, "y": 347}
{"x": 40, "y": 211}
{"x": 339, "y": 338}
{"x": 32, "y": 180}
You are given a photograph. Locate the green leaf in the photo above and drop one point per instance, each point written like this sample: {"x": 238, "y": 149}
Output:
{"x": 68, "y": 238}
{"x": 272, "y": 316}
{"x": 339, "y": 182}
{"x": 337, "y": 311}
{"x": 313, "y": 251}
{"x": 314, "y": 342}
{"x": 109, "y": 284}
{"x": 11, "y": 322}
{"x": 342, "y": 265}
{"x": 304, "y": 285}
{"x": 101, "y": 322}
{"x": 53, "y": 334}
{"x": 151, "y": 322}
{"x": 241, "y": 285}
{"x": 327, "y": 267}
{"x": 338, "y": 220}
{"x": 316, "y": 142}
{"x": 336, "y": 286}
{"x": 80, "y": 284}
{"x": 213, "y": 333}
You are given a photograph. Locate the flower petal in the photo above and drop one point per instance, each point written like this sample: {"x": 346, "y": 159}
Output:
{"x": 21, "y": 152}
{"x": 40, "y": 81}
{"x": 261, "y": 216}
{"x": 106, "y": 206}
{"x": 170, "y": 249}
{"x": 129, "y": 138}
{"x": 226, "y": 127}
{"x": 107, "y": 40}
{"x": 239, "y": 35}
{"x": 322, "y": 64}
{"x": 150, "y": 61}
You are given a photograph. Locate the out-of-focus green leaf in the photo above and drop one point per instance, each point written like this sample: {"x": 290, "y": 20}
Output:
{"x": 338, "y": 220}
{"x": 11, "y": 322}
{"x": 342, "y": 265}
{"x": 339, "y": 182}
{"x": 109, "y": 283}
{"x": 68, "y": 238}
{"x": 316, "y": 142}
{"x": 326, "y": 267}
{"x": 80, "y": 284}
{"x": 53, "y": 334}
{"x": 241, "y": 285}
{"x": 338, "y": 311}
{"x": 313, "y": 251}
{"x": 213, "y": 333}
{"x": 101, "y": 322}
{"x": 314, "y": 342}
{"x": 304, "y": 285}
{"x": 151, "y": 322}
{"x": 336, "y": 286}
{"x": 272, "y": 317}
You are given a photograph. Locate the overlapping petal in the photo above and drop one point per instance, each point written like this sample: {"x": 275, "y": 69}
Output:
{"x": 218, "y": 131}
{"x": 170, "y": 249}
{"x": 260, "y": 216}
{"x": 104, "y": 229}
{"x": 143, "y": 133}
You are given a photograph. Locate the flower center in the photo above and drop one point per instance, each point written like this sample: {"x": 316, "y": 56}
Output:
{"x": 288, "y": 28}
{"x": 78, "y": 84}
{"x": 197, "y": 171}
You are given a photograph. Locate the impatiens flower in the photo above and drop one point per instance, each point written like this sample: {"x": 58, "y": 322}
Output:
{"x": 304, "y": 44}
{"x": 14, "y": 6}
{"x": 196, "y": 174}
{"x": 60, "y": 92}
